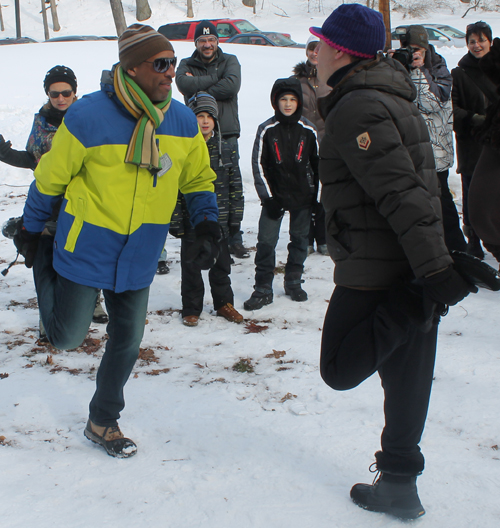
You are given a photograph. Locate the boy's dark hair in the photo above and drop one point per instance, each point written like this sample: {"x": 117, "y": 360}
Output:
{"x": 479, "y": 28}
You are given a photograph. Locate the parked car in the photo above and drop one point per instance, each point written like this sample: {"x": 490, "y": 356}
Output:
{"x": 264, "y": 38}
{"x": 226, "y": 28}
{"x": 439, "y": 35}
{"x": 76, "y": 38}
{"x": 20, "y": 40}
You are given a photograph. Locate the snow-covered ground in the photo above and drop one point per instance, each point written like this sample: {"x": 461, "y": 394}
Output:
{"x": 219, "y": 448}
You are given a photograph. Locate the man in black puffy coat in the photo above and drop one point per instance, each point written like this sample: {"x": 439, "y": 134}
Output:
{"x": 384, "y": 232}
{"x": 285, "y": 170}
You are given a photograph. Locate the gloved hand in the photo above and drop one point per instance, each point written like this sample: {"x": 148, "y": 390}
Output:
{"x": 447, "y": 287}
{"x": 273, "y": 209}
{"x": 205, "y": 249}
{"x": 5, "y": 147}
{"x": 477, "y": 119}
{"x": 27, "y": 244}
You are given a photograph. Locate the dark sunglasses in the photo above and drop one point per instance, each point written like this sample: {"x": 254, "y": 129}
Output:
{"x": 162, "y": 65}
{"x": 64, "y": 93}
{"x": 478, "y": 25}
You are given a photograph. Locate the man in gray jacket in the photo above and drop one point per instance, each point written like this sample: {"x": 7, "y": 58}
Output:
{"x": 219, "y": 74}
{"x": 393, "y": 272}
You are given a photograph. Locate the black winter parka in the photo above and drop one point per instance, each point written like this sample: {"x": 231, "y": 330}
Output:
{"x": 285, "y": 155}
{"x": 380, "y": 189}
{"x": 221, "y": 78}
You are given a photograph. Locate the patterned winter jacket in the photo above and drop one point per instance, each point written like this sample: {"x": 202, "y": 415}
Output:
{"x": 228, "y": 188}
{"x": 433, "y": 82}
{"x": 115, "y": 216}
{"x": 39, "y": 141}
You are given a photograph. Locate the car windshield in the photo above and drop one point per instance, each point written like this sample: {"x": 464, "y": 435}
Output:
{"x": 451, "y": 32}
{"x": 279, "y": 39}
{"x": 245, "y": 27}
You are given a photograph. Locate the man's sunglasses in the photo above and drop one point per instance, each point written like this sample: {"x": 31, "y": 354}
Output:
{"x": 162, "y": 64}
{"x": 65, "y": 93}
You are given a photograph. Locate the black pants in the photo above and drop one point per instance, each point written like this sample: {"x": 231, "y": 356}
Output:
{"x": 363, "y": 333}
{"x": 453, "y": 236}
{"x": 192, "y": 287}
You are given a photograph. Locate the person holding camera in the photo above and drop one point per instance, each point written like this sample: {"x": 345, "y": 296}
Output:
{"x": 433, "y": 82}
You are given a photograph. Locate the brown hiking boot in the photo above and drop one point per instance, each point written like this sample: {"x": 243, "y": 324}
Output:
{"x": 112, "y": 439}
{"x": 190, "y": 320}
{"x": 230, "y": 313}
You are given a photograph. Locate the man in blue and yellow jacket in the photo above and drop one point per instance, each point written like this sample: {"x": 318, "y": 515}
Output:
{"x": 118, "y": 160}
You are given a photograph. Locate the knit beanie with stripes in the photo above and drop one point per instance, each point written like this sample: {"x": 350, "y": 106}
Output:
{"x": 138, "y": 43}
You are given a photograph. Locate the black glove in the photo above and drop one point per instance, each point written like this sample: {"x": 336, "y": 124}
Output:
{"x": 5, "y": 147}
{"x": 447, "y": 287}
{"x": 273, "y": 209}
{"x": 27, "y": 244}
{"x": 205, "y": 249}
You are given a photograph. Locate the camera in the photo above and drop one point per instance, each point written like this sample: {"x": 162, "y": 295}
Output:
{"x": 404, "y": 56}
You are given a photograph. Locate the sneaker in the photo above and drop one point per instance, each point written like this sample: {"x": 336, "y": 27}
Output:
{"x": 190, "y": 320}
{"x": 112, "y": 439}
{"x": 260, "y": 297}
{"x": 295, "y": 291}
{"x": 162, "y": 268}
{"x": 323, "y": 249}
{"x": 310, "y": 250}
{"x": 100, "y": 316}
{"x": 239, "y": 251}
{"x": 230, "y": 313}
{"x": 390, "y": 494}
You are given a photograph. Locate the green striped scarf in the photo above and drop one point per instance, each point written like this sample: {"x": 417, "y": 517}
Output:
{"x": 142, "y": 149}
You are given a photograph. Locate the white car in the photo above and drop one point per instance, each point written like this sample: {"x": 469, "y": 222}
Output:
{"x": 439, "y": 35}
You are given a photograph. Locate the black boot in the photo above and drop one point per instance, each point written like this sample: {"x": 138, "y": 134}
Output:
{"x": 473, "y": 243}
{"x": 294, "y": 289}
{"x": 390, "y": 494}
{"x": 261, "y": 296}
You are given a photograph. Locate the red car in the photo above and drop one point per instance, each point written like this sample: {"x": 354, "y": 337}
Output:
{"x": 226, "y": 28}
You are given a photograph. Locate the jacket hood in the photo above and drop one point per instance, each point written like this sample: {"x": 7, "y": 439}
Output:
{"x": 282, "y": 86}
{"x": 383, "y": 74}
{"x": 304, "y": 70}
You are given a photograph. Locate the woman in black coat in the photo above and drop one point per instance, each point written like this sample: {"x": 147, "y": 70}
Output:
{"x": 472, "y": 93}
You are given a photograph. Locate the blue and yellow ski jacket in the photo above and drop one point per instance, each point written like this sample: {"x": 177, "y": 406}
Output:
{"x": 115, "y": 216}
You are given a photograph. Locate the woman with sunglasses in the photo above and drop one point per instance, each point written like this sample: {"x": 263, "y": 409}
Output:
{"x": 472, "y": 93}
{"x": 60, "y": 85}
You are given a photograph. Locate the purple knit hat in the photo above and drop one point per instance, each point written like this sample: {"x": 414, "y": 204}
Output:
{"x": 355, "y": 29}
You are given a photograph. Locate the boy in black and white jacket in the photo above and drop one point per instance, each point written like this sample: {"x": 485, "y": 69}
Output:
{"x": 285, "y": 170}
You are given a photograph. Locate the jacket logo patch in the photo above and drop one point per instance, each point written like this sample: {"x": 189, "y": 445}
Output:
{"x": 364, "y": 141}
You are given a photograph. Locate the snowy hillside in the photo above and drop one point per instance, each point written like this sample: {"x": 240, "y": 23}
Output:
{"x": 234, "y": 425}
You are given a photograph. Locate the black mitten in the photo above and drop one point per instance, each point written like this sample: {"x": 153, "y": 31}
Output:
{"x": 5, "y": 147}
{"x": 273, "y": 209}
{"x": 447, "y": 287}
{"x": 205, "y": 249}
{"x": 27, "y": 244}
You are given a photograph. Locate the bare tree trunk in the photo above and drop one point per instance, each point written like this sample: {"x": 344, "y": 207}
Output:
{"x": 143, "y": 11}
{"x": 55, "y": 19}
{"x": 118, "y": 16}
{"x": 45, "y": 23}
{"x": 190, "y": 13}
{"x": 385, "y": 9}
{"x": 2, "y": 27}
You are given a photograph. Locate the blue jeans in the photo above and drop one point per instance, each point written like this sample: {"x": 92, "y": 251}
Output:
{"x": 269, "y": 231}
{"x": 66, "y": 309}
